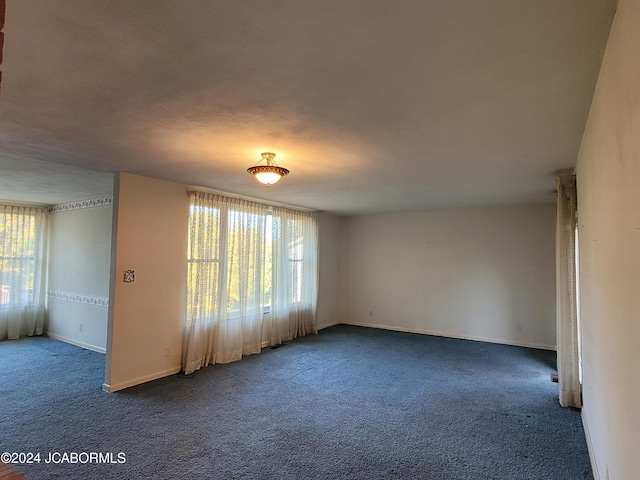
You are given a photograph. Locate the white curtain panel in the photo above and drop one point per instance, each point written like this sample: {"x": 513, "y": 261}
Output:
{"x": 294, "y": 276}
{"x": 23, "y": 263}
{"x": 252, "y": 278}
{"x": 566, "y": 294}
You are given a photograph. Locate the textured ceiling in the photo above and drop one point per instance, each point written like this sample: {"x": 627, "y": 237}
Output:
{"x": 374, "y": 105}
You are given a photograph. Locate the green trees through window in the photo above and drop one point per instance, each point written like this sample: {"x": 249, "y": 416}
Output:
{"x": 252, "y": 278}
{"x": 247, "y": 275}
{"x": 23, "y": 270}
{"x": 17, "y": 255}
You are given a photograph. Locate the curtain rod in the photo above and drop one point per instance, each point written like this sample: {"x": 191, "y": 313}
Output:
{"x": 250, "y": 199}
{"x": 9, "y": 203}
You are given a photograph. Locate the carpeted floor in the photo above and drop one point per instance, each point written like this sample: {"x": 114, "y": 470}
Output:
{"x": 349, "y": 403}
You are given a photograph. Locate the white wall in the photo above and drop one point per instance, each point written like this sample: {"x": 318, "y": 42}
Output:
{"x": 479, "y": 273}
{"x": 79, "y": 269}
{"x": 146, "y": 316}
{"x": 328, "y": 270}
{"x": 151, "y": 218}
{"x": 608, "y": 174}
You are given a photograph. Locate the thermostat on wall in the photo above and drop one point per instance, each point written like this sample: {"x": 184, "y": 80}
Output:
{"x": 129, "y": 275}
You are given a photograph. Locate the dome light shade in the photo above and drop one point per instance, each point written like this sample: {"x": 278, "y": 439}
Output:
{"x": 270, "y": 173}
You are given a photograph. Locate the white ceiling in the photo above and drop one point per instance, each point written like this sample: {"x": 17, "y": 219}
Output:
{"x": 374, "y": 105}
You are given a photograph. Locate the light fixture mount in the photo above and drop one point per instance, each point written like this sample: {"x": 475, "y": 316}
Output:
{"x": 270, "y": 173}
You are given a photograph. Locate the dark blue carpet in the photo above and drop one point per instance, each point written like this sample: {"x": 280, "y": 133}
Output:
{"x": 349, "y": 403}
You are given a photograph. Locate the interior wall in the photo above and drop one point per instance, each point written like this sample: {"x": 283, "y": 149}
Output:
{"x": 608, "y": 171}
{"x": 328, "y": 270}
{"x": 146, "y": 315}
{"x": 479, "y": 273}
{"x": 79, "y": 269}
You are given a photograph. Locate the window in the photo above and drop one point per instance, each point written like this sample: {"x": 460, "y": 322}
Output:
{"x": 252, "y": 277}
{"x": 22, "y": 270}
{"x": 264, "y": 231}
{"x": 17, "y": 259}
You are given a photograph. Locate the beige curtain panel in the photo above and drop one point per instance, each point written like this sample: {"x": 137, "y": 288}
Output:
{"x": 566, "y": 294}
{"x": 23, "y": 263}
{"x": 252, "y": 278}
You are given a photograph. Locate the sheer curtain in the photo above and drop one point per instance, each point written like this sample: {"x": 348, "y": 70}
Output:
{"x": 566, "y": 294}
{"x": 252, "y": 278}
{"x": 294, "y": 276}
{"x": 23, "y": 261}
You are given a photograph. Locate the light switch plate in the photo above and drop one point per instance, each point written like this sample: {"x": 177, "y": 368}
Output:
{"x": 129, "y": 276}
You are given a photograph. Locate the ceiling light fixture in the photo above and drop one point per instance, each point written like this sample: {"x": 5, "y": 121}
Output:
{"x": 269, "y": 173}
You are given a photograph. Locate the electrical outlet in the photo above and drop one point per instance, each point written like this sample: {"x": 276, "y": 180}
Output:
{"x": 518, "y": 329}
{"x": 167, "y": 351}
{"x": 80, "y": 327}
{"x": 129, "y": 276}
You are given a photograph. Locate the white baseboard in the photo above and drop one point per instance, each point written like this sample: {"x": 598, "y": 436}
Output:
{"x": 137, "y": 381}
{"x": 326, "y": 325}
{"x": 77, "y": 343}
{"x": 450, "y": 335}
{"x": 594, "y": 466}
